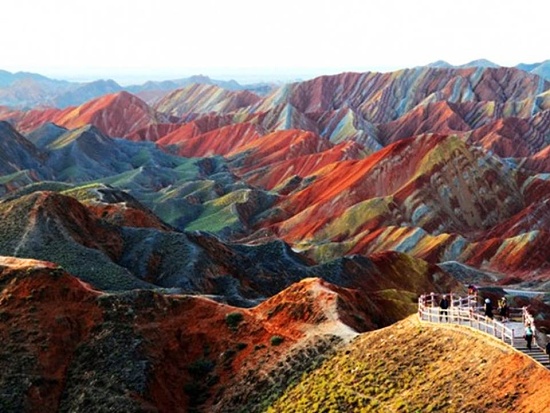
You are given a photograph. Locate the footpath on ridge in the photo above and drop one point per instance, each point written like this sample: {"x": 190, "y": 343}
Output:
{"x": 464, "y": 311}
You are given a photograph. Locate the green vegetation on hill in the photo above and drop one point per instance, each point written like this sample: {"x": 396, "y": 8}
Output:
{"x": 220, "y": 214}
{"x": 31, "y": 231}
{"x": 413, "y": 367}
{"x": 13, "y": 216}
{"x": 83, "y": 193}
{"x": 88, "y": 264}
{"x": 18, "y": 178}
{"x": 38, "y": 186}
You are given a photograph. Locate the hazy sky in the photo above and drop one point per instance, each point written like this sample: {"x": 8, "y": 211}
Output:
{"x": 130, "y": 40}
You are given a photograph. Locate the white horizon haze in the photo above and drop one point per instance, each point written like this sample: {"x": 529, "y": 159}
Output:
{"x": 245, "y": 40}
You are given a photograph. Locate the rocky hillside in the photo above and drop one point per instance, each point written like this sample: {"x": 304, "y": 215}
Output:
{"x": 114, "y": 243}
{"x": 68, "y": 347}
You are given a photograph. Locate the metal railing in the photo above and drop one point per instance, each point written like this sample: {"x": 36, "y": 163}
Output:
{"x": 464, "y": 311}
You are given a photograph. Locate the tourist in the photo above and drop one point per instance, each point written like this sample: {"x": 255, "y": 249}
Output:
{"x": 503, "y": 309}
{"x": 488, "y": 308}
{"x": 528, "y": 335}
{"x": 444, "y": 305}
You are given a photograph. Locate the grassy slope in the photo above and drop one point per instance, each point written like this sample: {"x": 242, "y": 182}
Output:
{"x": 413, "y": 367}
{"x": 27, "y": 232}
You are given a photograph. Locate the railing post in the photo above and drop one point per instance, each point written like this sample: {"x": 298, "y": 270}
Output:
{"x": 432, "y": 294}
{"x": 452, "y": 305}
{"x": 464, "y": 311}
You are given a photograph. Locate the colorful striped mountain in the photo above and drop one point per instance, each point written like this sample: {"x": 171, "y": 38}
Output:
{"x": 208, "y": 237}
{"x": 426, "y": 161}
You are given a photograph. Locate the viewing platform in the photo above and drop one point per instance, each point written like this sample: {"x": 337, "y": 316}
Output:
{"x": 467, "y": 311}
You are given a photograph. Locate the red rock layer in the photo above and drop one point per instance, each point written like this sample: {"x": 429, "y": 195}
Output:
{"x": 51, "y": 313}
{"x": 117, "y": 115}
{"x": 76, "y": 220}
{"x": 280, "y": 146}
{"x": 220, "y": 141}
{"x": 438, "y": 117}
{"x": 153, "y": 132}
{"x": 195, "y": 127}
{"x": 287, "y": 174}
{"x": 405, "y": 172}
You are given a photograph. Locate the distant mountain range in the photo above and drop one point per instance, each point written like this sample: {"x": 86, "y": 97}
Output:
{"x": 542, "y": 68}
{"x": 29, "y": 90}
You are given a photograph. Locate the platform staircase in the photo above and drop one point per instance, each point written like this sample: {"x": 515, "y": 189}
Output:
{"x": 535, "y": 353}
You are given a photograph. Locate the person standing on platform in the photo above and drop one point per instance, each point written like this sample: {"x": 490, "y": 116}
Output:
{"x": 488, "y": 308}
{"x": 444, "y": 306}
{"x": 528, "y": 335}
{"x": 503, "y": 309}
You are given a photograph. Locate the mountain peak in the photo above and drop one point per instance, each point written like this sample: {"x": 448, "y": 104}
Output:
{"x": 440, "y": 64}
{"x": 480, "y": 63}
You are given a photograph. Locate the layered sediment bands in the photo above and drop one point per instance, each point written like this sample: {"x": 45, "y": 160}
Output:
{"x": 199, "y": 98}
{"x": 194, "y": 127}
{"x": 437, "y": 183}
{"x": 153, "y": 132}
{"x": 383, "y": 97}
{"x": 373, "y": 109}
{"x": 286, "y": 175}
{"x": 439, "y": 116}
{"x": 279, "y": 146}
{"x": 116, "y": 115}
{"x": 243, "y": 239}
{"x": 219, "y": 141}
{"x": 432, "y": 162}
{"x": 514, "y": 137}
{"x": 540, "y": 162}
